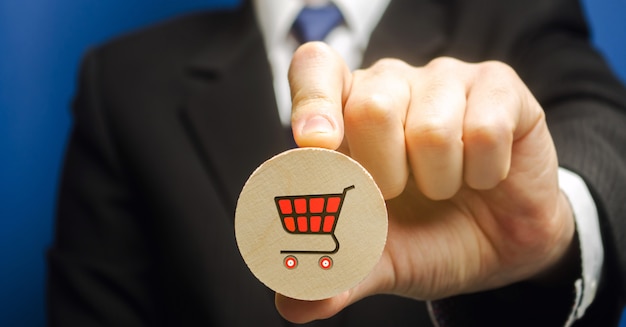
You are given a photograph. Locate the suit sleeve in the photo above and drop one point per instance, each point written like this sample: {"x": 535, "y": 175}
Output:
{"x": 99, "y": 267}
{"x": 585, "y": 107}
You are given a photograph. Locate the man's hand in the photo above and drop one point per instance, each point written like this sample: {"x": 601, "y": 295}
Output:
{"x": 464, "y": 158}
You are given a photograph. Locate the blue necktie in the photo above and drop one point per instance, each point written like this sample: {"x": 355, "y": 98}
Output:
{"x": 314, "y": 23}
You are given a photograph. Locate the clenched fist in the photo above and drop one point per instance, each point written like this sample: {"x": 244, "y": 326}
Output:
{"x": 463, "y": 156}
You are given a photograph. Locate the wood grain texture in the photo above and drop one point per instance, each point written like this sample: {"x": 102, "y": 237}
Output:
{"x": 317, "y": 188}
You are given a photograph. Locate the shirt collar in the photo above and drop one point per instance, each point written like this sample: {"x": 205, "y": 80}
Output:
{"x": 276, "y": 17}
{"x": 362, "y": 17}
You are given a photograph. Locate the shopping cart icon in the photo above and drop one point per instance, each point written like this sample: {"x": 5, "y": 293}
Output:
{"x": 311, "y": 214}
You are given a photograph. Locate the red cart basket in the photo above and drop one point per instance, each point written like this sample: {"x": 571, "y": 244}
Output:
{"x": 310, "y": 214}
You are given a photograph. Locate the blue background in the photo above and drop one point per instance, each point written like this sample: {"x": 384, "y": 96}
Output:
{"x": 41, "y": 43}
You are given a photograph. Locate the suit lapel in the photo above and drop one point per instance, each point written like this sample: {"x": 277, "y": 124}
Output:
{"x": 231, "y": 110}
{"x": 411, "y": 30}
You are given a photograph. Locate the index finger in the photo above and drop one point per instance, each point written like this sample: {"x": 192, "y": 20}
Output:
{"x": 319, "y": 81}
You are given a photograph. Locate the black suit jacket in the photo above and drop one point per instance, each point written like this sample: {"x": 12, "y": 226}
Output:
{"x": 170, "y": 121}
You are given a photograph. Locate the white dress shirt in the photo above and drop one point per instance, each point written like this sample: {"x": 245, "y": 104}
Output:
{"x": 350, "y": 39}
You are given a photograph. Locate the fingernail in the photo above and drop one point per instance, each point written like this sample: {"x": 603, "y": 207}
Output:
{"x": 317, "y": 124}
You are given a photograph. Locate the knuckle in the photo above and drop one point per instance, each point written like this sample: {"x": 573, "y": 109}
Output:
{"x": 498, "y": 69}
{"x": 444, "y": 63}
{"x": 387, "y": 64}
{"x": 487, "y": 133}
{"x": 376, "y": 108}
{"x": 505, "y": 84}
{"x": 432, "y": 135}
{"x": 503, "y": 97}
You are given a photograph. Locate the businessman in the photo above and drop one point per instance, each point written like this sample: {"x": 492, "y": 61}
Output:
{"x": 493, "y": 129}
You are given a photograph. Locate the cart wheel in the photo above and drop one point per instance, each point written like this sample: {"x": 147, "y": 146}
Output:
{"x": 290, "y": 262}
{"x": 326, "y": 262}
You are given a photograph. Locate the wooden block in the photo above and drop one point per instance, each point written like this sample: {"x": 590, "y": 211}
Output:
{"x": 310, "y": 223}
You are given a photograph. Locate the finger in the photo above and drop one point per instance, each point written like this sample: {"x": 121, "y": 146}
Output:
{"x": 318, "y": 78}
{"x": 434, "y": 128}
{"x": 490, "y": 121}
{"x": 374, "y": 117}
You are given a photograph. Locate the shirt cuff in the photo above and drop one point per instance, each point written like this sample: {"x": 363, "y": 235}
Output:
{"x": 590, "y": 240}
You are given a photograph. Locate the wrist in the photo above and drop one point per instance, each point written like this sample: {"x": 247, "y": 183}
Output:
{"x": 563, "y": 266}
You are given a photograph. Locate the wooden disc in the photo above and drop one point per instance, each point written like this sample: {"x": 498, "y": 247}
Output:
{"x": 310, "y": 223}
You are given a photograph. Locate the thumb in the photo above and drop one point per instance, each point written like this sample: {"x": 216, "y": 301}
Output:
{"x": 318, "y": 78}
